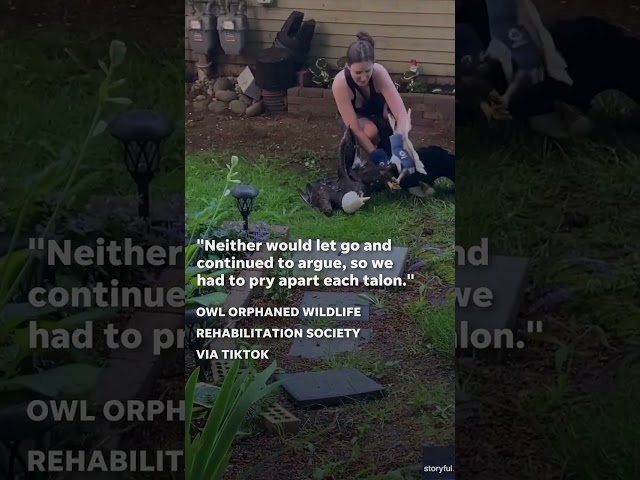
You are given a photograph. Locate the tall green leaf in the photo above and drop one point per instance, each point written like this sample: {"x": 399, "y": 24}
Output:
{"x": 207, "y": 456}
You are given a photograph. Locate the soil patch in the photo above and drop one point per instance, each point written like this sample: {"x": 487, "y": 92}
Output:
{"x": 286, "y": 136}
{"x": 384, "y": 433}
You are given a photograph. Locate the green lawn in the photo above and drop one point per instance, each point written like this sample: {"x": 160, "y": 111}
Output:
{"x": 50, "y": 91}
{"x": 402, "y": 218}
{"x": 405, "y": 219}
{"x": 553, "y": 202}
{"x": 401, "y": 361}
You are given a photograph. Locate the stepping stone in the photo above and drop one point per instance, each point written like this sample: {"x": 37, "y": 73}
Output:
{"x": 335, "y": 299}
{"x": 329, "y": 388}
{"x": 320, "y": 347}
{"x": 505, "y": 278}
{"x": 397, "y": 254}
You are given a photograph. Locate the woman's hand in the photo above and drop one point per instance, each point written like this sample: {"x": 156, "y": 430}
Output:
{"x": 400, "y": 155}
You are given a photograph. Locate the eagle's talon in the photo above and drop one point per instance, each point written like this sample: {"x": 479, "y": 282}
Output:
{"x": 495, "y": 110}
{"x": 393, "y": 184}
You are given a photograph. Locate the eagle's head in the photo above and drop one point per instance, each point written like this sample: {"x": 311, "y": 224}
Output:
{"x": 352, "y": 202}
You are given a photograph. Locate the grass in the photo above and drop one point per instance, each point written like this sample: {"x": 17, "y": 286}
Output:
{"x": 351, "y": 449}
{"x": 434, "y": 323}
{"x": 596, "y": 439}
{"x": 552, "y": 201}
{"x": 52, "y": 103}
{"x": 401, "y": 219}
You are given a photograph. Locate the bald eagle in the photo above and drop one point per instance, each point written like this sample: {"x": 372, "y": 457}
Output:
{"x": 348, "y": 191}
{"x": 431, "y": 163}
{"x": 597, "y": 55}
{"x": 438, "y": 163}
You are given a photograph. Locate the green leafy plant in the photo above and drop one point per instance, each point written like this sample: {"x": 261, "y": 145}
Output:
{"x": 62, "y": 180}
{"x": 320, "y": 71}
{"x": 206, "y": 394}
{"x": 201, "y": 226}
{"x": 207, "y": 454}
{"x": 278, "y": 292}
{"x": 409, "y": 83}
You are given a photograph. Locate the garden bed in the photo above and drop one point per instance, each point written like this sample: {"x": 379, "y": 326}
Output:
{"x": 425, "y": 107}
{"x": 343, "y": 440}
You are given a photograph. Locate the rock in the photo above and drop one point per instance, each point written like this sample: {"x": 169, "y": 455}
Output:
{"x": 201, "y": 97}
{"x": 200, "y": 105}
{"x": 238, "y": 107}
{"x": 245, "y": 98}
{"x": 255, "y": 109}
{"x": 222, "y": 84}
{"x": 210, "y": 91}
{"x": 187, "y": 103}
{"x": 217, "y": 106}
{"x": 226, "y": 95}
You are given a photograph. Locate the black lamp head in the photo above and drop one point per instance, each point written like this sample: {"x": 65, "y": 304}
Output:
{"x": 245, "y": 196}
{"x": 141, "y": 133}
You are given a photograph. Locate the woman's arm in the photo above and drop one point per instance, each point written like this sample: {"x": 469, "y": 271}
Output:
{"x": 342, "y": 97}
{"x": 384, "y": 84}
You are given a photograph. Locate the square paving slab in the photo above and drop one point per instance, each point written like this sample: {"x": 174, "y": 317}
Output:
{"x": 320, "y": 347}
{"x": 397, "y": 254}
{"x": 505, "y": 277}
{"x": 337, "y": 300}
{"x": 329, "y": 388}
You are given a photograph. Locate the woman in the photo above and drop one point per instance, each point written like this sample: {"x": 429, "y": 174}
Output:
{"x": 364, "y": 93}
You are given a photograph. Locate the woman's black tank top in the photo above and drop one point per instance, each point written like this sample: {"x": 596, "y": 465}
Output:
{"x": 374, "y": 105}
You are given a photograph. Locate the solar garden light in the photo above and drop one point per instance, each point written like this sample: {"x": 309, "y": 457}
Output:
{"x": 245, "y": 196}
{"x": 141, "y": 133}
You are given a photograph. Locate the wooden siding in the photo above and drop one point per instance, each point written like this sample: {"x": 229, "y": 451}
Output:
{"x": 423, "y": 30}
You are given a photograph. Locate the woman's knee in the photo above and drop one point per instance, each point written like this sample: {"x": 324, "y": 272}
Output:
{"x": 370, "y": 130}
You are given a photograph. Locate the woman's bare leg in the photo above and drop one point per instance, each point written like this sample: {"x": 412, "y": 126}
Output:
{"x": 370, "y": 130}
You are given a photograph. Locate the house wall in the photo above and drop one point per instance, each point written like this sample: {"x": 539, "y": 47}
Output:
{"x": 423, "y": 30}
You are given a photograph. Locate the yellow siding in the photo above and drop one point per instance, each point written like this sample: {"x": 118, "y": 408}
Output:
{"x": 423, "y": 30}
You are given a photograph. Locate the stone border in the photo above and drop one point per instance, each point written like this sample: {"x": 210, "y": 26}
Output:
{"x": 141, "y": 360}
{"x": 425, "y": 107}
